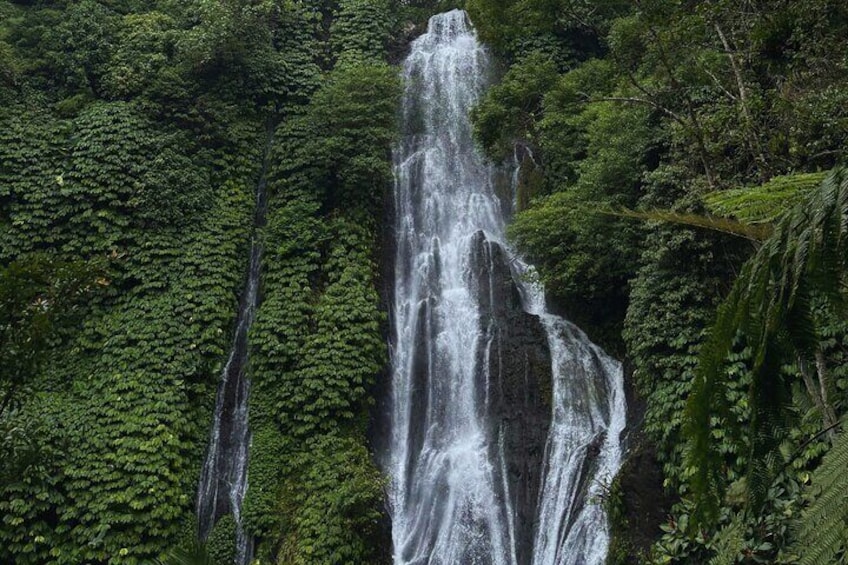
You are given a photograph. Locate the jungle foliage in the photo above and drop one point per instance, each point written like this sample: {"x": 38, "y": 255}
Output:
{"x": 132, "y": 139}
{"x": 660, "y": 132}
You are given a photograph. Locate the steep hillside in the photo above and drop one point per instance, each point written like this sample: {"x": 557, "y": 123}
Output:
{"x": 133, "y": 139}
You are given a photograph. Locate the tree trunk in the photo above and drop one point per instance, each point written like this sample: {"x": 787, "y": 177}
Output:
{"x": 824, "y": 389}
{"x": 753, "y": 138}
{"x": 814, "y": 389}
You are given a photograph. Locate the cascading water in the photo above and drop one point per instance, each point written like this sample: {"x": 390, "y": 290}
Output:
{"x": 223, "y": 478}
{"x": 476, "y": 357}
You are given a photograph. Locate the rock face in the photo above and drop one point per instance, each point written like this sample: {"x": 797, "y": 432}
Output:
{"x": 515, "y": 367}
{"x": 644, "y": 503}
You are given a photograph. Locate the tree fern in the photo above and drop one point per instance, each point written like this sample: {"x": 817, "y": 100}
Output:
{"x": 769, "y": 308}
{"x": 823, "y": 527}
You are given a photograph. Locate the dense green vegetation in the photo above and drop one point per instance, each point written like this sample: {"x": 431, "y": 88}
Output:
{"x": 680, "y": 192}
{"x": 717, "y": 122}
{"x": 132, "y": 137}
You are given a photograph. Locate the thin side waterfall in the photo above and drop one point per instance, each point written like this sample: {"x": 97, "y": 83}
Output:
{"x": 223, "y": 478}
{"x": 505, "y": 419}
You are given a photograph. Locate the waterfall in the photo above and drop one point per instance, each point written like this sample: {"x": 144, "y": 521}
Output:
{"x": 223, "y": 477}
{"x": 505, "y": 419}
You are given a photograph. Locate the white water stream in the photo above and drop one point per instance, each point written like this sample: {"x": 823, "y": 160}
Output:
{"x": 450, "y": 499}
{"x": 223, "y": 477}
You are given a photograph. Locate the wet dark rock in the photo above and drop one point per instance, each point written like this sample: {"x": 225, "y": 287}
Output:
{"x": 643, "y": 504}
{"x": 518, "y": 369}
{"x": 422, "y": 370}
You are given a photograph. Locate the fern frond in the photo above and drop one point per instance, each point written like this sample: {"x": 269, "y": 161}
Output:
{"x": 822, "y": 533}
{"x": 768, "y": 397}
{"x": 744, "y": 212}
{"x": 194, "y": 554}
{"x": 764, "y": 203}
{"x": 729, "y": 541}
{"x": 705, "y": 401}
{"x": 714, "y": 223}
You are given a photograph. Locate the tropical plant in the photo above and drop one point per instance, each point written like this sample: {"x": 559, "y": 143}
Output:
{"x": 769, "y": 309}
{"x": 38, "y": 295}
{"x": 764, "y": 203}
{"x": 193, "y": 554}
{"x": 822, "y": 534}
{"x": 748, "y": 212}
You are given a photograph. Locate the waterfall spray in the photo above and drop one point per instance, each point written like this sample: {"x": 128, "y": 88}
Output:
{"x": 458, "y": 494}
